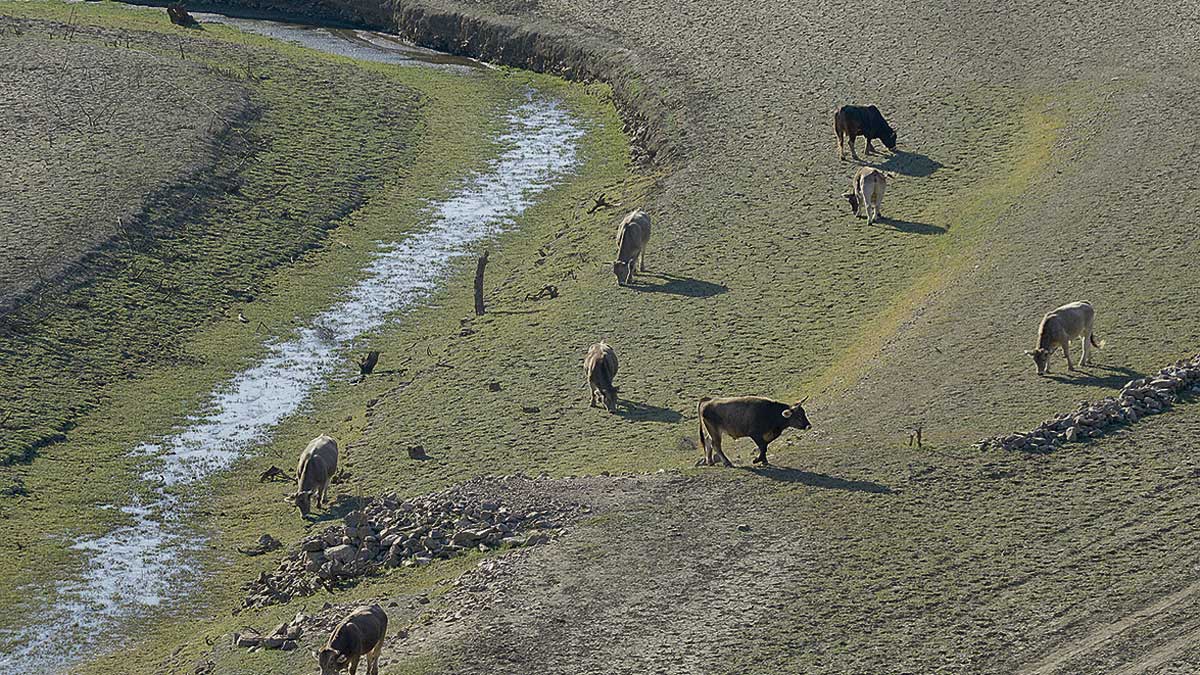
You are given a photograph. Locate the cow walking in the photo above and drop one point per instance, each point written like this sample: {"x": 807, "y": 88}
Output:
{"x": 358, "y": 635}
{"x": 601, "y": 367}
{"x": 632, "y": 235}
{"x": 866, "y": 191}
{"x": 760, "y": 419}
{"x": 314, "y": 472}
{"x": 852, "y": 121}
{"x": 1058, "y": 328}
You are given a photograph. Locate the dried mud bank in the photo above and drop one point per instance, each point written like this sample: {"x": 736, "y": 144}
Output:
{"x": 654, "y": 123}
{"x": 1138, "y": 399}
{"x": 482, "y": 514}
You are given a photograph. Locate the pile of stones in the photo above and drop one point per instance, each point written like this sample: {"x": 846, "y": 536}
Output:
{"x": 1139, "y": 398}
{"x": 391, "y": 532}
{"x": 285, "y": 636}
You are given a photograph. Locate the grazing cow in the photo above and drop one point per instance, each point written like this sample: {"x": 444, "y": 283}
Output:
{"x": 867, "y": 190}
{"x": 601, "y": 366}
{"x": 318, "y": 463}
{"x": 632, "y": 235}
{"x": 854, "y": 121}
{"x": 1061, "y": 326}
{"x": 762, "y": 419}
{"x": 358, "y": 635}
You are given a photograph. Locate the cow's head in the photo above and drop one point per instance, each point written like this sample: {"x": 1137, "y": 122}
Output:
{"x": 623, "y": 270}
{"x": 331, "y": 660}
{"x": 889, "y": 139}
{"x": 302, "y": 501}
{"x": 1041, "y": 357}
{"x": 610, "y": 398}
{"x": 853, "y": 200}
{"x": 796, "y": 417}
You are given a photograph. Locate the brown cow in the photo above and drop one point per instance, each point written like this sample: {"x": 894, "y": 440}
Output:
{"x": 632, "y": 235}
{"x": 866, "y": 190}
{"x": 1058, "y": 328}
{"x": 315, "y": 470}
{"x": 358, "y": 635}
{"x": 762, "y": 419}
{"x": 601, "y": 367}
{"x": 866, "y": 121}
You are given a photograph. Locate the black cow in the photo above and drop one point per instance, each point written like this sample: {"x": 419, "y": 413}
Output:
{"x": 866, "y": 121}
{"x": 762, "y": 419}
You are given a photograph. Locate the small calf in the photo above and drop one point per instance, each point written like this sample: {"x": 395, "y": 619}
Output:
{"x": 762, "y": 419}
{"x": 1058, "y": 328}
{"x": 358, "y": 635}
{"x": 601, "y": 367}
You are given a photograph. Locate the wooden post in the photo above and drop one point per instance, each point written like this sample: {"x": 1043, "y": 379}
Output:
{"x": 483, "y": 259}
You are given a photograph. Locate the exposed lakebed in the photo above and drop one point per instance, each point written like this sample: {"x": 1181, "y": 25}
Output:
{"x": 153, "y": 558}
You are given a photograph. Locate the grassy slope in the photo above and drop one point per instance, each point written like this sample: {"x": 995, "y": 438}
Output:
{"x": 445, "y": 138}
{"x": 279, "y": 185}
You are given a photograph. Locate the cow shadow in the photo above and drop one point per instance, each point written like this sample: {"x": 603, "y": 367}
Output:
{"x": 1116, "y": 378}
{"x": 912, "y": 227}
{"x": 644, "y": 412}
{"x": 341, "y": 506}
{"x": 785, "y": 474}
{"x": 685, "y": 286}
{"x": 910, "y": 164}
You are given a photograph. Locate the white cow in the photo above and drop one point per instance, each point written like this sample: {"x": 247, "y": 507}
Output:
{"x": 1058, "y": 329}
{"x": 867, "y": 190}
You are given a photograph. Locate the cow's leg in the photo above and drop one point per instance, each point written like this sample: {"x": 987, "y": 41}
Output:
{"x": 373, "y": 659}
{"x": 642, "y": 261}
{"x": 593, "y": 403}
{"x": 837, "y": 129}
{"x": 354, "y": 664}
{"x": 853, "y": 139}
{"x": 1067, "y": 355}
{"x": 862, "y": 200}
{"x": 719, "y": 452}
{"x": 1086, "y": 359}
{"x": 762, "y": 450}
{"x": 870, "y": 150}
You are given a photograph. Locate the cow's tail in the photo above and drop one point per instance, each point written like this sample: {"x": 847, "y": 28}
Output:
{"x": 700, "y": 420}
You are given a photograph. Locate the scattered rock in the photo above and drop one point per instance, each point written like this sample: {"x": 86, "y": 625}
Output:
{"x": 266, "y": 543}
{"x": 417, "y": 452}
{"x": 743, "y": 528}
{"x": 389, "y": 532}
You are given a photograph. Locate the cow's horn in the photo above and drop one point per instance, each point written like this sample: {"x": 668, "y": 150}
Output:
{"x": 802, "y": 401}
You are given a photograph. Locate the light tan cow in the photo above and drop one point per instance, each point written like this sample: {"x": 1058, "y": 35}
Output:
{"x": 314, "y": 472}
{"x": 866, "y": 190}
{"x": 358, "y": 635}
{"x": 632, "y": 235}
{"x": 1061, "y": 326}
{"x": 601, "y": 366}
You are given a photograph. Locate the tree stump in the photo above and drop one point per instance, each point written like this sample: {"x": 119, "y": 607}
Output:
{"x": 483, "y": 260}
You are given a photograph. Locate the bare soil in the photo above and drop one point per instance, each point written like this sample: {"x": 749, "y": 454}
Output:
{"x": 92, "y": 128}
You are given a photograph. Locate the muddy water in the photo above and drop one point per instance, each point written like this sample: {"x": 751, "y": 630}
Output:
{"x": 135, "y": 568}
{"x": 364, "y": 45}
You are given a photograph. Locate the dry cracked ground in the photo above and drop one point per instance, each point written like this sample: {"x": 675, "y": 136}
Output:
{"x": 1046, "y": 146}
